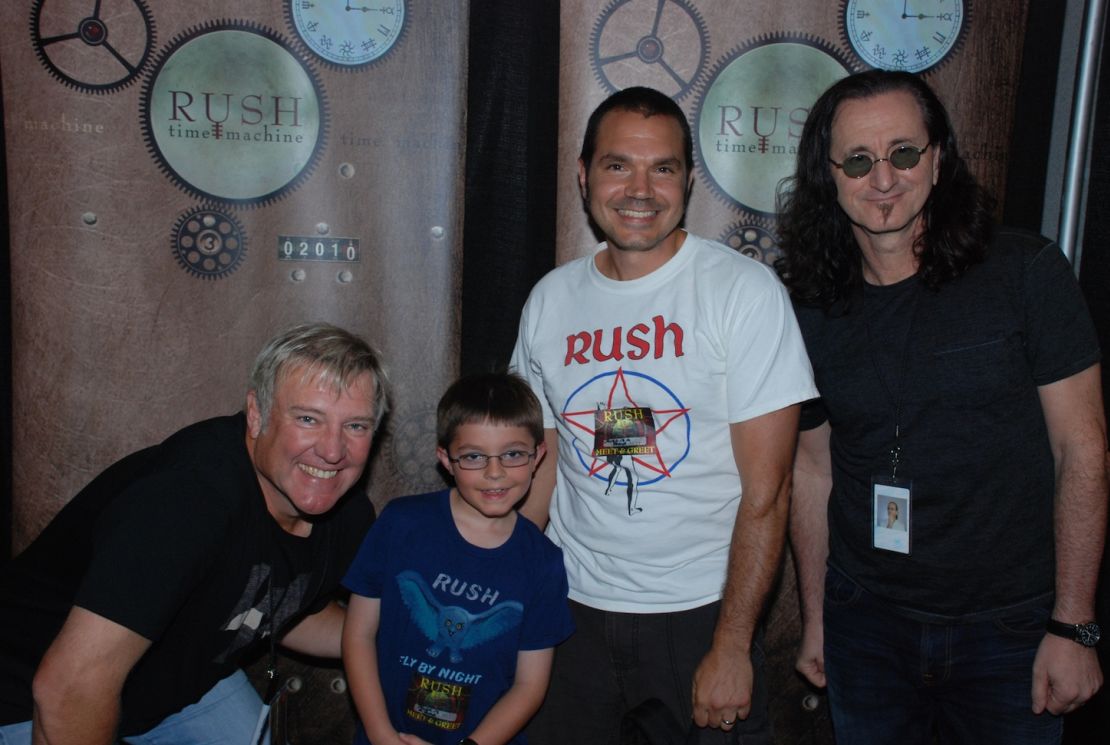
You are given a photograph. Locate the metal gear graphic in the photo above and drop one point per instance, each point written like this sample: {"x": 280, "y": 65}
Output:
{"x": 306, "y": 166}
{"x": 409, "y": 445}
{"x": 97, "y": 46}
{"x": 208, "y": 243}
{"x": 754, "y": 238}
{"x": 661, "y": 43}
{"x": 703, "y": 150}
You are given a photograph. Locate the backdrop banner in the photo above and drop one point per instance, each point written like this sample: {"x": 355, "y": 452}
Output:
{"x": 186, "y": 179}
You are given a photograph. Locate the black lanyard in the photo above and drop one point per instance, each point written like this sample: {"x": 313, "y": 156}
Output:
{"x": 896, "y": 395}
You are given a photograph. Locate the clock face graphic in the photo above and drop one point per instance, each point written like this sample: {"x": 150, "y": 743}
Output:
{"x": 348, "y": 33}
{"x": 910, "y": 35}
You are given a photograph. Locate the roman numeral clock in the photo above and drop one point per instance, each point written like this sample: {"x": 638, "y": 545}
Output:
{"x": 347, "y": 33}
{"x": 910, "y": 35}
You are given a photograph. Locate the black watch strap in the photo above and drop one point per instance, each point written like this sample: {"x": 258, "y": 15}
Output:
{"x": 467, "y": 741}
{"x": 1086, "y": 634}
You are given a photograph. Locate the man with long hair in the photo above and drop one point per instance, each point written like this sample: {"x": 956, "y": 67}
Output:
{"x": 958, "y": 370}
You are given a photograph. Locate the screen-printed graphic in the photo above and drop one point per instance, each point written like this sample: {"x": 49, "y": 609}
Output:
{"x": 626, "y": 390}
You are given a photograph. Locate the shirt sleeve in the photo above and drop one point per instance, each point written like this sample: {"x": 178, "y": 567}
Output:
{"x": 547, "y": 620}
{"x": 153, "y": 545}
{"x": 365, "y": 577}
{"x": 768, "y": 368}
{"x": 1061, "y": 339}
{"x": 523, "y": 362}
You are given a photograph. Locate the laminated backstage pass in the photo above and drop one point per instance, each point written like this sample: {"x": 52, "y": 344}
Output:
{"x": 891, "y": 526}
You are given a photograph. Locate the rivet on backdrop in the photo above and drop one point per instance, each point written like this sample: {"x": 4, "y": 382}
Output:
{"x": 322, "y": 228}
{"x": 89, "y": 218}
{"x": 346, "y": 170}
{"x": 438, "y": 232}
{"x": 298, "y": 275}
{"x": 345, "y": 277}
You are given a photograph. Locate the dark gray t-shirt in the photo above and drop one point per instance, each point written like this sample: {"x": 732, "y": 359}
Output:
{"x": 959, "y": 369}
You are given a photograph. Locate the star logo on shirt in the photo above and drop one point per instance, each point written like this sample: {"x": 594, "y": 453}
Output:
{"x": 620, "y": 389}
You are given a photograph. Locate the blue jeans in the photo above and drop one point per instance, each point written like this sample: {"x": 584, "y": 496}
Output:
{"x": 616, "y": 661}
{"x": 226, "y": 715}
{"x": 894, "y": 679}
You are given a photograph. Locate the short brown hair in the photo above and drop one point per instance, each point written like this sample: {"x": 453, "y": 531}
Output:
{"x": 497, "y": 398}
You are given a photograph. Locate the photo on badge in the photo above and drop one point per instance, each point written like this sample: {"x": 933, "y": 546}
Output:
{"x": 890, "y": 515}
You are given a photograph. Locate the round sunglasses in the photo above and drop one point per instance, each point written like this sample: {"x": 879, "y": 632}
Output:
{"x": 903, "y": 157}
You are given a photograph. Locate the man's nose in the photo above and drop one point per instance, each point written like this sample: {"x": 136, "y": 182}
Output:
{"x": 331, "y": 446}
{"x": 639, "y": 185}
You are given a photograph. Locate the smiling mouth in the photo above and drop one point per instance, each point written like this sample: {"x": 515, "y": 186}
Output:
{"x": 637, "y": 214}
{"x": 317, "y": 472}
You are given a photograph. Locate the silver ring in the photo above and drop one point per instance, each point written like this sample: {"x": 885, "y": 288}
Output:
{"x": 727, "y": 722}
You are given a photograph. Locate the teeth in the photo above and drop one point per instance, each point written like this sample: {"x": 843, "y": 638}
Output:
{"x": 637, "y": 213}
{"x": 316, "y": 472}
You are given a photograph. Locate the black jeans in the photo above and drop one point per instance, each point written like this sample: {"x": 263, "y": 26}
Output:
{"x": 616, "y": 661}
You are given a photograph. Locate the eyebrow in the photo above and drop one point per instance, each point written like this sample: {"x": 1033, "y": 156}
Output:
{"x": 621, "y": 158}
{"x": 897, "y": 142}
{"x": 515, "y": 445}
{"x": 299, "y": 410}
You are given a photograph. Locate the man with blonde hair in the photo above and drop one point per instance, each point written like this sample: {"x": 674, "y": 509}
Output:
{"x": 129, "y": 615}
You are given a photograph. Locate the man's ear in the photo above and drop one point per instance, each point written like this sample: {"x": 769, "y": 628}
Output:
{"x": 254, "y": 416}
{"x": 582, "y": 188}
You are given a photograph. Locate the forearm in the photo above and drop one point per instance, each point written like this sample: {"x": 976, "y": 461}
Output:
{"x": 509, "y": 715}
{"x": 75, "y": 721}
{"x": 320, "y": 634}
{"x": 1077, "y": 434}
{"x": 360, "y": 660}
{"x": 512, "y": 711}
{"x": 809, "y": 528}
{"x": 754, "y": 557}
{"x": 1080, "y": 530}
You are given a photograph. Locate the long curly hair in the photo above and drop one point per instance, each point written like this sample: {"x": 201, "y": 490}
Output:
{"x": 821, "y": 263}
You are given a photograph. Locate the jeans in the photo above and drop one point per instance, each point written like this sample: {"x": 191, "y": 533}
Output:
{"x": 893, "y": 679}
{"x": 616, "y": 661}
{"x": 226, "y": 715}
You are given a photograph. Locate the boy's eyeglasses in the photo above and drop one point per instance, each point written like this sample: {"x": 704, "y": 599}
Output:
{"x": 478, "y": 461}
{"x": 903, "y": 157}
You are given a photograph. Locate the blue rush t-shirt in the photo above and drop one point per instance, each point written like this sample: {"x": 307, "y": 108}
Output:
{"x": 454, "y": 615}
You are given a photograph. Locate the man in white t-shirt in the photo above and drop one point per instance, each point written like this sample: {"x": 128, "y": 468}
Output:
{"x": 670, "y": 368}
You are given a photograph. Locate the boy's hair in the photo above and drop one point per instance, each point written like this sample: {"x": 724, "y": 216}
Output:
{"x": 496, "y": 398}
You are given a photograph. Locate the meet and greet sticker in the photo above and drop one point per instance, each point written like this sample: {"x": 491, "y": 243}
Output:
{"x": 627, "y": 431}
{"x": 437, "y": 703}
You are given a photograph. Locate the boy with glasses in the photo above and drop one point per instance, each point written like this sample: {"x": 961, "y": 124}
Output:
{"x": 458, "y": 603}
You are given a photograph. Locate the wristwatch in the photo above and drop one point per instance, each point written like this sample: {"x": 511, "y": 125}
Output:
{"x": 1086, "y": 634}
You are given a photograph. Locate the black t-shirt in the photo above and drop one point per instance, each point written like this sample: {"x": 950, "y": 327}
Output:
{"x": 961, "y": 367}
{"x": 175, "y": 543}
